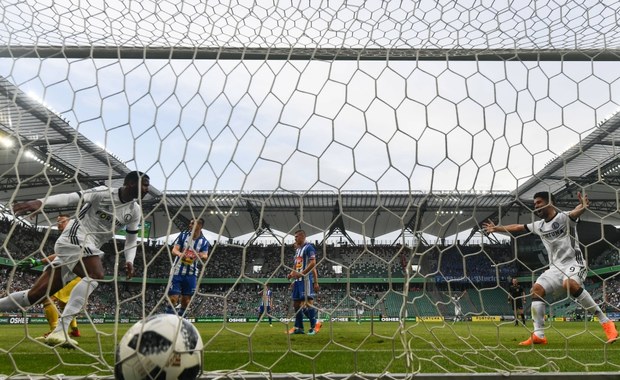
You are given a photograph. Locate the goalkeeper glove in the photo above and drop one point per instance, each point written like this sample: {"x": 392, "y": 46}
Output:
{"x": 29, "y": 263}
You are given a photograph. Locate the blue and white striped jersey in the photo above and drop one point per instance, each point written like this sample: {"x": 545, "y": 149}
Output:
{"x": 188, "y": 264}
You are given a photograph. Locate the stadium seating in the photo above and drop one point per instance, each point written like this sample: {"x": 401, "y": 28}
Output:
{"x": 466, "y": 270}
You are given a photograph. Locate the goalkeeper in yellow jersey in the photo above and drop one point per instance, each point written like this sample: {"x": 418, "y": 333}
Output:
{"x": 61, "y": 296}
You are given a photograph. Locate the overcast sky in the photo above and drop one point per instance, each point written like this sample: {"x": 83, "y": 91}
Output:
{"x": 229, "y": 125}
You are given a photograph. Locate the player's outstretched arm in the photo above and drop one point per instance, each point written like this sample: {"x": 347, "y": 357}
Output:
{"x": 27, "y": 208}
{"x": 491, "y": 227}
{"x": 36, "y": 206}
{"x": 583, "y": 205}
{"x": 29, "y": 263}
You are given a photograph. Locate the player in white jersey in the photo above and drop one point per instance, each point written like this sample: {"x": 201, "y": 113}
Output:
{"x": 103, "y": 211}
{"x": 61, "y": 296}
{"x": 359, "y": 312}
{"x": 567, "y": 267}
{"x": 458, "y": 310}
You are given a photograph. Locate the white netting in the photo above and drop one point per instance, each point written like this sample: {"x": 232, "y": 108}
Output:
{"x": 391, "y": 129}
{"x": 570, "y": 25}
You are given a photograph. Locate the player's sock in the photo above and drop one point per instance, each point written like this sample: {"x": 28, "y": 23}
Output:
{"x": 523, "y": 317}
{"x": 13, "y": 301}
{"x": 77, "y": 300}
{"x": 311, "y": 313}
{"x": 585, "y": 299}
{"x": 181, "y": 312}
{"x": 74, "y": 329}
{"x": 299, "y": 318}
{"x": 538, "y": 316}
{"x": 51, "y": 314}
{"x": 170, "y": 309}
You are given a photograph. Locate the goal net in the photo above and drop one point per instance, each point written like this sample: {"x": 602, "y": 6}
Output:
{"x": 389, "y": 132}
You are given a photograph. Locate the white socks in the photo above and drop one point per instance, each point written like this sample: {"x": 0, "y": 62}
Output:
{"x": 538, "y": 316}
{"x": 14, "y": 301}
{"x": 586, "y": 300}
{"x": 76, "y": 303}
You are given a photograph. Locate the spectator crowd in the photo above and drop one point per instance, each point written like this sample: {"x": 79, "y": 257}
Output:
{"x": 236, "y": 272}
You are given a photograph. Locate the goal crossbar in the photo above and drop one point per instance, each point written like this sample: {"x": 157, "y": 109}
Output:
{"x": 293, "y": 53}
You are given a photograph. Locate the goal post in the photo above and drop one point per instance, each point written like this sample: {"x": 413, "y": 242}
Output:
{"x": 388, "y": 131}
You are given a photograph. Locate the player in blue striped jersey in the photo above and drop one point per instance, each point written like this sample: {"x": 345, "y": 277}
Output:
{"x": 190, "y": 249}
{"x": 266, "y": 300}
{"x": 303, "y": 273}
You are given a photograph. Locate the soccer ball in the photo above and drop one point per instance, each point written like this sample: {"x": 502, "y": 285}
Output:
{"x": 160, "y": 347}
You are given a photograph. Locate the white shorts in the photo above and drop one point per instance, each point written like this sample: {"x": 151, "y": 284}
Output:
{"x": 68, "y": 255}
{"x": 552, "y": 279}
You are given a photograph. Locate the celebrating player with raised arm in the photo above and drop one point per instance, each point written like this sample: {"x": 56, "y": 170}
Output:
{"x": 567, "y": 267}
{"x": 103, "y": 211}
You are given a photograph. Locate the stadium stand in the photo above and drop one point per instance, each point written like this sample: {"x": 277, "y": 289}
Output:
{"x": 461, "y": 269}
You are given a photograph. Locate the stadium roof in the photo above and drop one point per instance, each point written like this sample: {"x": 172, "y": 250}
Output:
{"x": 74, "y": 162}
{"x": 363, "y": 212}
{"x": 592, "y": 166}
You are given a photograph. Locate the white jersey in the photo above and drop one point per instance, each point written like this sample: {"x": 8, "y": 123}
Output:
{"x": 102, "y": 213}
{"x": 559, "y": 236}
{"x": 457, "y": 305}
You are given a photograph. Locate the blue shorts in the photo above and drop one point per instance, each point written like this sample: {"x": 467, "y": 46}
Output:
{"x": 182, "y": 284}
{"x": 303, "y": 290}
{"x": 261, "y": 309}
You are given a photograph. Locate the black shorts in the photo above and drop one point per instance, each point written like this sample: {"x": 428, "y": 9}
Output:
{"x": 517, "y": 303}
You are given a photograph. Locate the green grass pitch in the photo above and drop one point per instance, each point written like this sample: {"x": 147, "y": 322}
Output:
{"x": 340, "y": 347}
